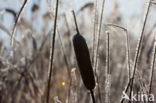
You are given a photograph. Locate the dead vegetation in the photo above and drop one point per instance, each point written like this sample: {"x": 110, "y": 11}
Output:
{"x": 36, "y": 61}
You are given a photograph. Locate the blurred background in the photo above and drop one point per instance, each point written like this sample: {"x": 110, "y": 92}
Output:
{"x": 23, "y": 77}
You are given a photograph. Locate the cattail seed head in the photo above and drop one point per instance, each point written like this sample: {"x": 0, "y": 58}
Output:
{"x": 84, "y": 62}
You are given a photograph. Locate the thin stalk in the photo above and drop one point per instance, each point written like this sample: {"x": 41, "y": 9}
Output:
{"x": 126, "y": 89}
{"x": 152, "y": 69}
{"x": 92, "y": 95}
{"x": 97, "y": 49}
{"x": 138, "y": 49}
{"x": 153, "y": 63}
{"x": 128, "y": 55}
{"x": 52, "y": 54}
{"x": 16, "y": 21}
{"x": 94, "y": 30}
{"x": 108, "y": 54}
{"x": 77, "y": 29}
{"x": 99, "y": 33}
{"x": 107, "y": 100}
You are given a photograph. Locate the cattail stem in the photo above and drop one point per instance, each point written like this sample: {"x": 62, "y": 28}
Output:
{"x": 92, "y": 95}
{"x": 77, "y": 29}
{"x": 52, "y": 54}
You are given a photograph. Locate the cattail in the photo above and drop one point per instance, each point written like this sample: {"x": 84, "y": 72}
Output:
{"x": 83, "y": 60}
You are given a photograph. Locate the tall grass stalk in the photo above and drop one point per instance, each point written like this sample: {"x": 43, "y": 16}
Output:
{"x": 97, "y": 48}
{"x": 99, "y": 35}
{"x": 138, "y": 49}
{"x": 95, "y": 28}
{"x": 92, "y": 94}
{"x": 52, "y": 54}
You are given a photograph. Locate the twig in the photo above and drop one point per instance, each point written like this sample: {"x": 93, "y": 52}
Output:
{"x": 52, "y": 53}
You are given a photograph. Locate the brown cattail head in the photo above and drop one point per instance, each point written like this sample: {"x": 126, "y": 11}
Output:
{"x": 84, "y": 62}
